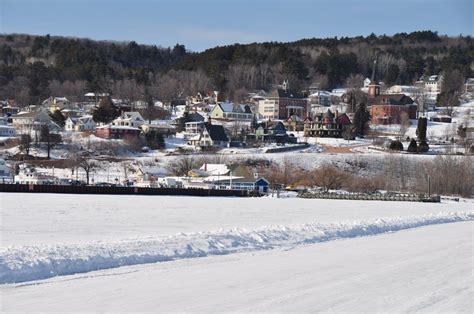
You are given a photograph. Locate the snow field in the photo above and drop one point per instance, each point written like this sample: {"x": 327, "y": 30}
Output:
{"x": 28, "y": 263}
{"x": 418, "y": 270}
{"x": 45, "y": 219}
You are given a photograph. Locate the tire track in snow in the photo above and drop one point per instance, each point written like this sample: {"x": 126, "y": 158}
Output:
{"x": 28, "y": 263}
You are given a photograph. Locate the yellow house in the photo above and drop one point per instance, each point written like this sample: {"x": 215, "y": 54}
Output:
{"x": 230, "y": 111}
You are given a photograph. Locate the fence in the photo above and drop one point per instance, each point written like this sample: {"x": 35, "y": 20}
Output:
{"x": 88, "y": 189}
{"x": 373, "y": 197}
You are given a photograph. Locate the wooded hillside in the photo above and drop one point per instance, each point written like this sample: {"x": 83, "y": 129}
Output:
{"x": 35, "y": 67}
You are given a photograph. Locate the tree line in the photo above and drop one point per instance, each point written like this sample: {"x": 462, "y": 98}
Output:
{"x": 34, "y": 67}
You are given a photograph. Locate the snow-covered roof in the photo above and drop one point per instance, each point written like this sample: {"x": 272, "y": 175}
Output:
{"x": 122, "y": 127}
{"x": 215, "y": 169}
{"x": 339, "y": 91}
{"x": 93, "y": 94}
{"x": 220, "y": 178}
{"x": 230, "y": 107}
{"x": 156, "y": 171}
{"x": 320, "y": 93}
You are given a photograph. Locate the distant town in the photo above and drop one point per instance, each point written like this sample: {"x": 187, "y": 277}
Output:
{"x": 285, "y": 137}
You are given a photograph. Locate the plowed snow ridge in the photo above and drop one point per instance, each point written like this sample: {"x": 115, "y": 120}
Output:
{"x": 28, "y": 263}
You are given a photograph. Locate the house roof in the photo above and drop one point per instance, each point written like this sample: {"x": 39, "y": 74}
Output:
{"x": 294, "y": 118}
{"x": 31, "y": 114}
{"x": 215, "y": 169}
{"x": 194, "y": 117}
{"x": 393, "y": 99}
{"x": 275, "y": 124}
{"x": 118, "y": 127}
{"x": 160, "y": 126}
{"x": 320, "y": 93}
{"x": 230, "y": 107}
{"x": 216, "y": 132}
{"x": 343, "y": 119}
{"x": 131, "y": 115}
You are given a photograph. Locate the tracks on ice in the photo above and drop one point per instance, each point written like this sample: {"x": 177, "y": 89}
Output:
{"x": 28, "y": 263}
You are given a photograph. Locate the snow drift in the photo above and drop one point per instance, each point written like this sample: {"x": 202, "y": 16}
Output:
{"x": 27, "y": 263}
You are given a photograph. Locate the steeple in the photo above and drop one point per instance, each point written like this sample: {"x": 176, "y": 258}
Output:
{"x": 374, "y": 87}
{"x": 286, "y": 85}
{"x": 372, "y": 79}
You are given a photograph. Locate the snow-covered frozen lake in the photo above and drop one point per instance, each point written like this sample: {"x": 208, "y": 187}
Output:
{"x": 214, "y": 253}
{"x": 30, "y": 219}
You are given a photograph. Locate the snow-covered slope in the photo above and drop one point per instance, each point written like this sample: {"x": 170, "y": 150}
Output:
{"x": 254, "y": 254}
{"x": 26, "y": 263}
{"x": 44, "y": 219}
{"x": 425, "y": 269}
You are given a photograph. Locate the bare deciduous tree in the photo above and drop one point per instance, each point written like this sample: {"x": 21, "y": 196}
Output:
{"x": 404, "y": 125}
{"x": 355, "y": 81}
{"x": 88, "y": 165}
{"x": 180, "y": 166}
{"x": 328, "y": 177}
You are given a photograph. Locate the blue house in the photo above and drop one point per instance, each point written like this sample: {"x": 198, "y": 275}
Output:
{"x": 261, "y": 186}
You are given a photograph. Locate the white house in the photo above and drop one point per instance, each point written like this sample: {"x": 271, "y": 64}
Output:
{"x": 28, "y": 121}
{"x": 81, "y": 124}
{"x": 7, "y": 131}
{"x": 320, "y": 98}
{"x": 194, "y": 127}
{"x": 29, "y": 175}
{"x": 212, "y": 135}
{"x": 132, "y": 119}
{"x": 433, "y": 84}
{"x": 268, "y": 109}
{"x": 230, "y": 111}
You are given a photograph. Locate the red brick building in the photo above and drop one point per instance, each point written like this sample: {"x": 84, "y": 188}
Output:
{"x": 389, "y": 108}
{"x": 117, "y": 132}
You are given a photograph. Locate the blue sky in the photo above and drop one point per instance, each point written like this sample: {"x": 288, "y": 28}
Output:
{"x": 207, "y": 23}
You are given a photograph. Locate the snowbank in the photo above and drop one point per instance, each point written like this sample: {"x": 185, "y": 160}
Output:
{"x": 27, "y": 263}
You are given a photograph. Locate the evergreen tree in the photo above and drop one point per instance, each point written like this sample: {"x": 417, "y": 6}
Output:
{"x": 421, "y": 129}
{"x": 396, "y": 145}
{"x": 105, "y": 112}
{"x": 361, "y": 120}
{"x": 421, "y": 134}
{"x": 182, "y": 121}
{"x": 58, "y": 118}
{"x": 154, "y": 140}
{"x": 412, "y": 148}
